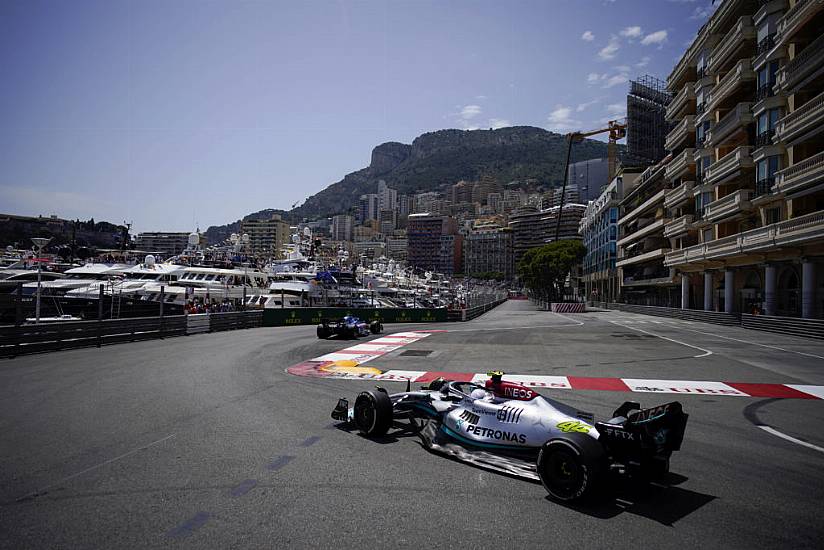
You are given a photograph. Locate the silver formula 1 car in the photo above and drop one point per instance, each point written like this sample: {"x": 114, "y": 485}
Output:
{"x": 511, "y": 428}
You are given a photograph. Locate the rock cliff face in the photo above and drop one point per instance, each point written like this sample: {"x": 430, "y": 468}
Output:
{"x": 436, "y": 159}
{"x": 387, "y": 156}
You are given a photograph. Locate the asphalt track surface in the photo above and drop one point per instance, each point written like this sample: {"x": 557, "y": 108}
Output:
{"x": 205, "y": 442}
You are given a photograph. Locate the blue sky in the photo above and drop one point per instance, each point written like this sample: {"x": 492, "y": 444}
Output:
{"x": 177, "y": 113}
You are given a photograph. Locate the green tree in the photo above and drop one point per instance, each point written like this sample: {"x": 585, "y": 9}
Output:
{"x": 544, "y": 269}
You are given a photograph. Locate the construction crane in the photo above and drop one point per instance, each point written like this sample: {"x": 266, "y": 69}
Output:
{"x": 617, "y": 130}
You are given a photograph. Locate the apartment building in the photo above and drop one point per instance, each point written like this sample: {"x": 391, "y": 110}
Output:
{"x": 342, "y": 225}
{"x": 599, "y": 231}
{"x": 745, "y": 204}
{"x": 433, "y": 243}
{"x": 488, "y": 249}
{"x": 266, "y": 237}
{"x": 532, "y": 227}
{"x": 641, "y": 244}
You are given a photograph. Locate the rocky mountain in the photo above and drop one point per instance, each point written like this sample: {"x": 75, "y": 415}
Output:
{"x": 441, "y": 158}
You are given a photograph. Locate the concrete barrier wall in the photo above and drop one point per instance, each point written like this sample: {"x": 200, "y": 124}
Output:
{"x": 278, "y": 317}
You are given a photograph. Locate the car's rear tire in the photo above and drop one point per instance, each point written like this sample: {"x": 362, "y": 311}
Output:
{"x": 373, "y": 413}
{"x": 323, "y": 333}
{"x": 572, "y": 467}
{"x": 375, "y": 327}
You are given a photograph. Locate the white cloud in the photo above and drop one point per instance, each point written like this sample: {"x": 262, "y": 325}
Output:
{"x": 584, "y": 106}
{"x": 608, "y": 52}
{"x": 657, "y": 37}
{"x": 644, "y": 62}
{"x": 703, "y": 12}
{"x": 560, "y": 119}
{"x": 616, "y": 108}
{"x": 480, "y": 97}
{"x": 588, "y": 36}
{"x": 470, "y": 111}
{"x": 593, "y": 77}
{"x": 616, "y": 80}
{"x": 631, "y": 32}
{"x": 496, "y": 123}
{"x": 623, "y": 68}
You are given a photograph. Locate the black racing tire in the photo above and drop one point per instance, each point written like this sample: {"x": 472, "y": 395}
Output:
{"x": 323, "y": 332}
{"x": 375, "y": 327}
{"x": 373, "y": 413}
{"x": 572, "y": 467}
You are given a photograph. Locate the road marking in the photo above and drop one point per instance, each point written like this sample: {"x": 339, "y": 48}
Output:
{"x": 748, "y": 342}
{"x": 187, "y": 527}
{"x": 279, "y": 462}
{"x": 579, "y": 323}
{"x": 96, "y": 466}
{"x": 243, "y": 487}
{"x": 775, "y": 432}
{"x": 706, "y": 351}
{"x": 309, "y": 441}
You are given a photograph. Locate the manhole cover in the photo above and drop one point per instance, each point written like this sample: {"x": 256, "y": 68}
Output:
{"x": 416, "y": 353}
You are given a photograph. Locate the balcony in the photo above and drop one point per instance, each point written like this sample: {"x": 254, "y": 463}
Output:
{"x": 643, "y": 232}
{"x": 680, "y": 164}
{"x": 764, "y": 91}
{"x": 718, "y": 21}
{"x": 730, "y": 165}
{"x": 764, "y": 187}
{"x": 678, "y": 226}
{"x": 679, "y": 195}
{"x": 731, "y": 205}
{"x": 803, "y": 68}
{"x": 680, "y": 102}
{"x": 801, "y": 175}
{"x": 797, "y": 231}
{"x": 681, "y": 132}
{"x": 651, "y": 202}
{"x": 766, "y": 44}
{"x": 742, "y": 72}
{"x": 741, "y": 33}
{"x": 795, "y": 18}
{"x": 737, "y": 118}
{"x": 764, "y": 139}
{"x": 809, "y": 116}
{"x": 643, "y": 257}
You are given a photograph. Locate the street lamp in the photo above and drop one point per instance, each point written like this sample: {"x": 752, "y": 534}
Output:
{"x": 39, "y": 243}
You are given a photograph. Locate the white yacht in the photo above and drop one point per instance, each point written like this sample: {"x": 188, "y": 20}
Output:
{"x": 79, "y": 277}
{"x": 134, "y": 279}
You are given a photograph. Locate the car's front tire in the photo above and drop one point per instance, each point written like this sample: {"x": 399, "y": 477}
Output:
{"x": 323, "y": 333}
{"x": 572, "y": 467}
{"x": 373, "y": 413}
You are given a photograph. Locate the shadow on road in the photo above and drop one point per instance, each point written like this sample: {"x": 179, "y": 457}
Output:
{"x": 661, "y": 502}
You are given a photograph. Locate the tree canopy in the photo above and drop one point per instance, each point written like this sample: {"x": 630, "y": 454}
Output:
{"x": 544, "y": 269}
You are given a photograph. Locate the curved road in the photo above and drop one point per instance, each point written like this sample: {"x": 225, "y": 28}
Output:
{"x": 205, "y": 441}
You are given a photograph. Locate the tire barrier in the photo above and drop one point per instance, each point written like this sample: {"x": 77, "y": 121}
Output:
{"x": 569, "y": 307}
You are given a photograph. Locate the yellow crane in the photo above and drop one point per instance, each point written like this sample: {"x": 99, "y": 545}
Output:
{"x": 617, "y": 130}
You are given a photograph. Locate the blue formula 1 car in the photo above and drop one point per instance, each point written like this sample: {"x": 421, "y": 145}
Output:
{"x": 348, "y": 326}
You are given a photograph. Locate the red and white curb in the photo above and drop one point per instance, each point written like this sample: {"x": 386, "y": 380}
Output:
{"x": 346, "y": 364}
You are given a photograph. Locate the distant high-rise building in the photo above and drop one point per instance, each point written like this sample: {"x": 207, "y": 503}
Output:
{"x": 433, "y": 243}
{"x": 342, "y": 227}
{"x": 387, "y": 198}
{"x": 368, "y": 207}
{"x": 587, "y": 178}
{"x": 488, "y": 249}
{"x": 647, "y": 127}
{"x": 461, "y": 192}
{"x": 266, "y": 237}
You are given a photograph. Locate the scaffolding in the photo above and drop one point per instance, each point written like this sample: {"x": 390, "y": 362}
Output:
{"x": 647, "y": 127}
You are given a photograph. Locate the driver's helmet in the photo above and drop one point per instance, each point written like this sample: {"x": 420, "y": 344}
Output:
{"x": 479, "y": 393}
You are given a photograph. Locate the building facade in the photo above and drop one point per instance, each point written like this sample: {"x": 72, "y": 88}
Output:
{"x": 532, "y": 227}
{"x": 599, "y": 231}
{"x": 433, "y": 243}
{"x": 266, "y": 237}
{"x": 342, "y": 225}
{"x": 488, "y": 249}
{"x": 162, "y": 242}
{"x": 747, "y": 205}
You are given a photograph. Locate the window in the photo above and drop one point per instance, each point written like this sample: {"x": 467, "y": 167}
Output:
{"x": 773, "y": 215}
{"x": 708, "y": 235}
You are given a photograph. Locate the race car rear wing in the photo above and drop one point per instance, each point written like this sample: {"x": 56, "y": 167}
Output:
{"x": 638, "y": 433}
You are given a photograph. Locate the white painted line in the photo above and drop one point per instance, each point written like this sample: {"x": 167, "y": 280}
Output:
{"x": 682, "y": 386}
{"x": 817, "y": 391}
{"x": 527, "y": 327}
{"x": 577, "y": 322}
{"x": 791, "y": 439}
{"x": 706, "y": 351}
{"x": 748, "y": 342}
{"x": 96, "y": 466}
